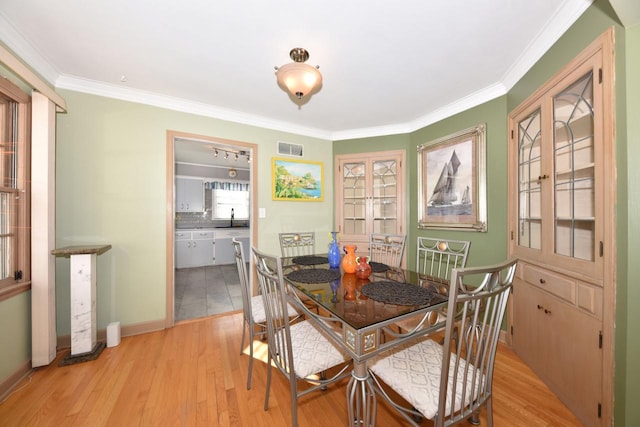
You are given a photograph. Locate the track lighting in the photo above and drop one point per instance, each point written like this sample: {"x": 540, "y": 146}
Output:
{"x": 235, "y": 154}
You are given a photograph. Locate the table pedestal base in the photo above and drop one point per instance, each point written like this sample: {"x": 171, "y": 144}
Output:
{"x": 361, "y": 398}
{"x": 71, "y": 359}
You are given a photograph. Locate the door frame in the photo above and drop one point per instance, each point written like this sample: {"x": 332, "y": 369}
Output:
{"x": 170, "y": 208}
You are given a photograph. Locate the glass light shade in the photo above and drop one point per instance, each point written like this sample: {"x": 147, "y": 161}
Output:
{"x": 300, "y": 79}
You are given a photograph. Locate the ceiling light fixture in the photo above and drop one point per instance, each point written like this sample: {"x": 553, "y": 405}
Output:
{"x": 298, "y": 78}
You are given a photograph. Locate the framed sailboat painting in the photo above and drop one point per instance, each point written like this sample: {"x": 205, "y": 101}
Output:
{"x": 452, "y": 191}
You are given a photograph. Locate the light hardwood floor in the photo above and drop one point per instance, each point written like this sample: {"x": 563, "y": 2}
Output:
{"x": 193, "y": 375}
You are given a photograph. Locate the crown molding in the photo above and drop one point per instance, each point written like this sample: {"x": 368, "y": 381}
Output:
{"x": 177, "y": 104}
{"x": 628, "y": 11}
{"x": 565, "y": 17}
{"x": 547, "y": 36}
{"x": 477, "y": 98}
{"x": 25, "y": 51}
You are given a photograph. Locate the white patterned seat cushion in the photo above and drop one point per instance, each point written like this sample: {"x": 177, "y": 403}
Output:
{"x": 257, "y": 310}
{"x": 313, "y": 352}
{"x": 413, "y": 371}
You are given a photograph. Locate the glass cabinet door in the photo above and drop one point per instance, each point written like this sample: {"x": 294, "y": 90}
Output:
{"x": 557, "y": 166}
{"x": 369, "y": 196}
{"x": 385, "y": 207}
{"x": 529, "y": 182}
{"x": 574, "y": 168}
{"x": 354, "y": 197}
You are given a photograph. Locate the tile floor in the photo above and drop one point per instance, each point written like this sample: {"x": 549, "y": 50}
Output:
{"x": 203, "y": 291}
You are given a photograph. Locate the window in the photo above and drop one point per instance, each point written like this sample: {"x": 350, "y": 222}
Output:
{"x": 226, "y": 201}
{"x": 14, "y": 189}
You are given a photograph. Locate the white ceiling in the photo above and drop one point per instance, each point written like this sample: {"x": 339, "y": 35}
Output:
{"x": 388, "y": 67}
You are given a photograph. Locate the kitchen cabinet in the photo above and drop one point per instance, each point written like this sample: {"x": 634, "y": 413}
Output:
{"x": 189, "y": 194}
{"x": 369, "y": 196}
{"x": 557, "y": 332}
{"x": 183, "y": 249}
{"x": 561, "y": 228}
{"x": 194, "y": 248}
{"x": 224, "y": 247}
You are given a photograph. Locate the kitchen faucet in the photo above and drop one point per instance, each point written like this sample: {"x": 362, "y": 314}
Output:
{"x": 232, "y": 215}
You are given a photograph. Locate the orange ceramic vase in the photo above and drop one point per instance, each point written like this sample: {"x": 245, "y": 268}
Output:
{"x": 349, "y": 262}
{"x": 349, "y": 284}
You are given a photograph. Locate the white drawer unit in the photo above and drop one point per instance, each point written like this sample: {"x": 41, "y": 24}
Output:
{"x": 194, "y": 248}
{"x": 224, "y": 248}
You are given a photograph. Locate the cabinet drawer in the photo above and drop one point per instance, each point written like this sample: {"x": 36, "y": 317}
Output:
{"x": 228, "y": 234}
{"x": 590, "y": 299}
{"x": 560, "y": 286}
{"x": 183, "y": 235}
{"x": 202, "y": 235}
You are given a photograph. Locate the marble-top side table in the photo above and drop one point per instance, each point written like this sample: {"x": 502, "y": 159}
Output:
{"x": 83, "y": 258}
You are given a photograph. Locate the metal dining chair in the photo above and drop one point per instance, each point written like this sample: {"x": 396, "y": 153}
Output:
{"x": 252, "y": 308}
{"x": 297, "y": 244}
{"x": 436, "y": 258}
{"x": 387, "y": 248}
{"x": 301, "y": 352}
{"x": 451, "y": 382}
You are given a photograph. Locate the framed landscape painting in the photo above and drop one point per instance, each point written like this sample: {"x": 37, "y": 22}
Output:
{"x": 452, "y": 181}
{"x": 297, "y": 180}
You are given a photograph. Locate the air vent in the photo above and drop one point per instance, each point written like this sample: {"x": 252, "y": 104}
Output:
{"x": 289, "y": 149}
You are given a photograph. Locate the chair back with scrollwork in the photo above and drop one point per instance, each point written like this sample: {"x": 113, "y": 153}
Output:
{"x": 387, "y": 248}
{"x": 438, "y": 257}
{"x": 297, "y": 244}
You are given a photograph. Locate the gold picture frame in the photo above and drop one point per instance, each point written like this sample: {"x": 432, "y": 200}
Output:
{"x": 452, "y": 193}
{"x": 297, "y": 180}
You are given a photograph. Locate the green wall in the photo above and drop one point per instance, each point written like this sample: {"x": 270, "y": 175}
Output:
{"x": 15, "y": 334}
{"x": 110, "y": 188}
{"x": 492, "y": 113}
{"x": 628, "y": 301}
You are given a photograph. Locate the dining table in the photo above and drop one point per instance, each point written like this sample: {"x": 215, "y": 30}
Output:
{"x": 361, "y": 315}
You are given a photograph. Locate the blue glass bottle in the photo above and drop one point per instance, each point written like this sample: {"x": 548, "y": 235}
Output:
{"x": 334, "y": 251}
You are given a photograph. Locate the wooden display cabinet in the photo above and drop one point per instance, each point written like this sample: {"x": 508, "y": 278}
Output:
{"x": 561, "y": 227}
{"x": 370, "y": 196}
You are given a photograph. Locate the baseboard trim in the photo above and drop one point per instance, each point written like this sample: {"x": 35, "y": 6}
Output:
{"x": 503, "y": 337}
{"x": 9, "y": 384}
{"x": 64, "y": 341}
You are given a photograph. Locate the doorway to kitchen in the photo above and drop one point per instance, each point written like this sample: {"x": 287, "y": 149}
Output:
{"x": 211, "y": 200}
